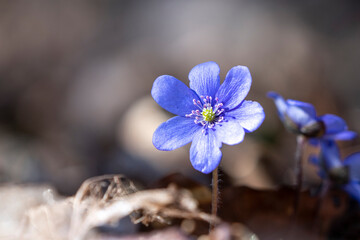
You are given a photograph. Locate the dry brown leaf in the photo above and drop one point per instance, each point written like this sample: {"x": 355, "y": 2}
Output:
{"x": 103, "y": 200}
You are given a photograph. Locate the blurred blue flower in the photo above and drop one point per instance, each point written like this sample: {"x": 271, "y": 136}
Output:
{"x": 209, "y": 114}
{"x": 340, "y": 173}
{"x": 300, "y": 118}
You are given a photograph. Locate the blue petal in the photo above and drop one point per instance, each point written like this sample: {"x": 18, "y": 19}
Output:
{"x": 204, "y": 79}
{"x": 173, "y": 95}
{"x": 353, "y": 161}
{"x": 230, "y": 132}
{"x": 299, "y": 116}
{"x": 333, "y": 123}
{"x": 314, "y": 141}
{"x": 235, "y": 87}
{"x": 342, "y": 136}
{"x": 249, "y": 114}
{"x": 306, "y": 107}
{"x": 280, "y": 103}
{"x": 331, "y": 154}
{"x": 301, "y": 113}
{"x": 314, "y": 160}
{"x": 318, "y": 162}
{"x": 174, "y": 133}
{"x": 353, "y": 189}
{"x": 205, "y": 154}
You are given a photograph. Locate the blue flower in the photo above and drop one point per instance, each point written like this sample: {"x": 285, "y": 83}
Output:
{"x": 209, "y": 114}
{"x": 300, "y": 118}
{"x": 341, "y": 173}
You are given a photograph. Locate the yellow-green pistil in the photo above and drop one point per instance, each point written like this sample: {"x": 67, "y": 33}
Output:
{"x": 208, "y": 114}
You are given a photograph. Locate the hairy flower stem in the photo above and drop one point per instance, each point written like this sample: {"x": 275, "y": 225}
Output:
{"x": 215, "y": 195}
{"x": 299, "y": 171}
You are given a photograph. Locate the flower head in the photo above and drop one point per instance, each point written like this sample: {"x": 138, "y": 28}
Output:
{"x": 300, "y": 118}
{"x": 345, "y": 174}
{"x": 209, "y": 114}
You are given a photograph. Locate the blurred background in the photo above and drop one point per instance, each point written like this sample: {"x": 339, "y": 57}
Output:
{"x": 75, "y": 81}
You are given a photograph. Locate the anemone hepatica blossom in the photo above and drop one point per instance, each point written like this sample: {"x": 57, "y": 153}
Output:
{"x": 300, "y": 118}
{"x": 209, "y": 114}
{"x": 345, "y": 174}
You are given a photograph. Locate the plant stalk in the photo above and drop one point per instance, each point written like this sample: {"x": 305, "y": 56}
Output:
{"x": 325, "y": 186}
{"x": 215, "y": 195}
{"x": 299, "y": 171}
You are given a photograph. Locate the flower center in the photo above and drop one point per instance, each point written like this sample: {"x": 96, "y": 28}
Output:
{"x": 208, "y": 113}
